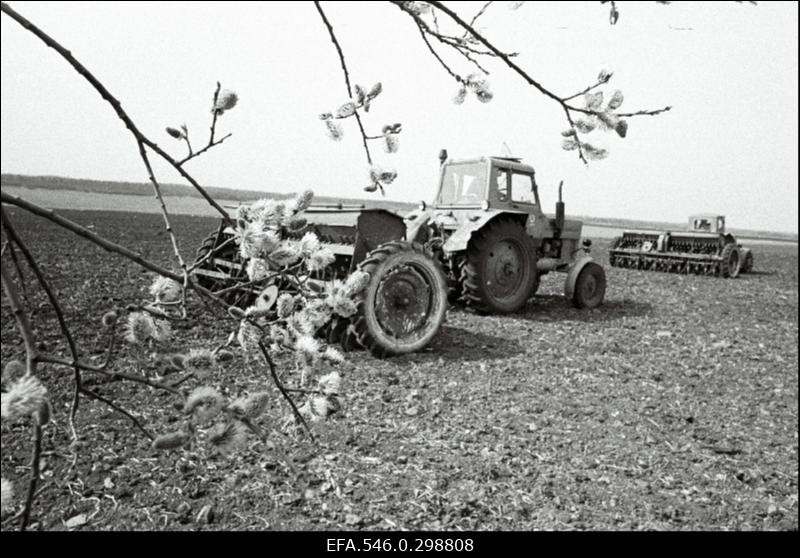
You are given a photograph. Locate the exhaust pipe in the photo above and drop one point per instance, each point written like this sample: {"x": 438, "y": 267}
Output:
{"x": 442, "y": 156}
{"x": 560, "y": 210}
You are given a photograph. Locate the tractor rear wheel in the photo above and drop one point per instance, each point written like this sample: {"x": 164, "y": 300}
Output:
{"x": 404, "y": 304}
{"x": 590, "y": 286}
{"x": 500, "y": 270}
{"x": 730, "y": 265}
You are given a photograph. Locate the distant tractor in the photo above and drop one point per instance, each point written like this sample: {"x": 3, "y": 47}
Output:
{"x": 488, "y": 229}
{"x": 704, "y": 249}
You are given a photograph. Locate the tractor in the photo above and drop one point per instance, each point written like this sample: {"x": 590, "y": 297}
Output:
{"x": 487, "y": 228}
{"x": 703, "y": 249}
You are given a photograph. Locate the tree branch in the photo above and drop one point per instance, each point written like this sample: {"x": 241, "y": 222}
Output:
{"x": 283, "y": 391}
{"x": 110, "y": 99}
{"x": 62, "y": 321}
{"x": 119, "y": 409}
{"x": 23, "y": 323}
{"x": 107, "y": 245}
{"x": 346, "y": 78}
{"x": 102, "y": 370}
{"x": 34, "y": 478}
{"x": 211, "y": 142}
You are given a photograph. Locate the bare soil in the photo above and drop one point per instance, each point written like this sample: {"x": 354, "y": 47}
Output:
{"x": 673, "y": 406}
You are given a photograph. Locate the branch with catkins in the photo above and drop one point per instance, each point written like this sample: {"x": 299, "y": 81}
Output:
{"x": 360, "y": 99}
{"x": 593, "y": 115}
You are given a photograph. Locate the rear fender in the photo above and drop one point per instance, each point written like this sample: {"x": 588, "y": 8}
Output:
{"x": 417, "y": 225}
{"x": 459, "y": 240}
{"x": 572, "y": 275}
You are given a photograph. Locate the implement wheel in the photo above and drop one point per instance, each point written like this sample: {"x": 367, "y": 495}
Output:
{"x": 500, "y": 271}
{"x": 403, "y": 306}
{"x": 747, "y": 266}
{"x": 730, "y": 265}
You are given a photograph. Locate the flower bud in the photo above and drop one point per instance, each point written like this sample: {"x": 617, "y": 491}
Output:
{"x": 178, "y": 361}
{"x": 110, "y": 318}
{"x": 360, "y": 95}
{"x": 175, "y": 133}
{"x": 236, "y": 312}
{"x": 347, "y": 109}
{"x": 224, "y": 356}
{"x": 226, "y": 100}
{"x": 44, "y": 412}
{"x": 375, "y": 91}
{"x": 173, "y": 440}
{"x": 13, "y": 370}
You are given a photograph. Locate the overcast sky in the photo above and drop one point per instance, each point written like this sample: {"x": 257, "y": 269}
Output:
{"x": 729, "y": 70}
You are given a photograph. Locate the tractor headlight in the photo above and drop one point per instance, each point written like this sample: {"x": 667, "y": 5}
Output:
{"x": 485, "y": 205}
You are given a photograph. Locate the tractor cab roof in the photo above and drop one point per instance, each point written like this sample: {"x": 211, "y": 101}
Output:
{"x": 705, "y": 216}
{"x": 513, "y": 163}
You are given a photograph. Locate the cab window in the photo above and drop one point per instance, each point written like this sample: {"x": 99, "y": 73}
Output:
{"x": 463, "y": 184}
{"x": 501, "y": 176}
{"x": 522, "y": 188}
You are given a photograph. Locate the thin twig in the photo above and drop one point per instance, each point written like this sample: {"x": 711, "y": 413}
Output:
{"x": 34, "y": 477}
{"x": 575, "y": 135}
{"x": 94, "y": 368}
{"x": 20, "y": 274}
{"x": 165, "y": 217}
{"x": 283, "y": 391}
{"x": 203, "y": 150}
{"x": 212, "y": 130}
{"x": 109, "y": 350}
{"x": 119, "y": 409}
{"x": 585, "y": 91}
{"x": 436, "y": 54}
{"x": 211, "y": 254}
{"x": 644, "y": 112}
{"x": 23, "y": 323}
{"x": 346, "y": 79}
{"x": 480, "y": 13}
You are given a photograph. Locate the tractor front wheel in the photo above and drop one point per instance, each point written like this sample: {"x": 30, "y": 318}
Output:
{"x": 403, "y": 306}
{"x": 590, "y": 286}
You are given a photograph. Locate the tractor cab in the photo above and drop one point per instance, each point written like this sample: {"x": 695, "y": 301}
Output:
{"x": 497, "y": 183}
{"x": 707, "y": 223}
{"x": 473, "y": 192}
